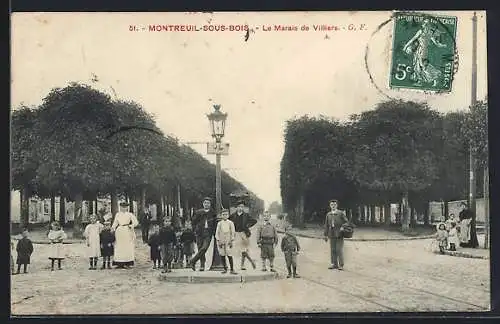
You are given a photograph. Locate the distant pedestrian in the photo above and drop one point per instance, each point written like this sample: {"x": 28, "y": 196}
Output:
{"x": 92, "y": 236}
{"x": 267, "y": 239}
{"x": 442, "y": 237}
{"x": 188, "y": 241}
{"x": 24, "y": 250}
{"x": 290, "y": 248}
{"x": 123, "y": 227}
{"x": 224, "y": 238}
{"x": 167, "y": 240}
{"x": 453, "y": 237}
{"x": 242, "y": 224}
{"x": 107, "y": 245}
{"x": 334, "y": 222}
{"x": 204, "y": 222}
{"x": 56, "y": 236}
{"x": 154, "y": 243}
{"x": 145, "y": 224}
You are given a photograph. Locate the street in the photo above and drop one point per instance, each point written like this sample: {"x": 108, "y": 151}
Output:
{"x": 388, "y": 276}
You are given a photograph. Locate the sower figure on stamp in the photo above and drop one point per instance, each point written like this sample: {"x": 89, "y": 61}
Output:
{"x": 204, "y": 222}
{"x": 267, "y": 239}
{"x": 335, "y": 220}
{"x": 224, "y": 237}
{"x": 242, "y": 223}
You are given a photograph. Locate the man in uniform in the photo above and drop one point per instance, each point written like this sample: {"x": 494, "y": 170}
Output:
{"x": 334, "y": 222}
{"x": 242, "y": 223}
{"x": 204, "y": 224}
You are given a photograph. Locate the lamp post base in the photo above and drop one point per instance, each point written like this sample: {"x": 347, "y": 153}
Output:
{"x": 216, "y": 260}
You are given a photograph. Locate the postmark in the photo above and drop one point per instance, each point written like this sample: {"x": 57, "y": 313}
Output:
{"x": 423, "y": 52}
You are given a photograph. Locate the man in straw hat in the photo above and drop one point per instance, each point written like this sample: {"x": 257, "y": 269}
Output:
{"x": 123, "y": 227}
{"x": 204, "y": 224}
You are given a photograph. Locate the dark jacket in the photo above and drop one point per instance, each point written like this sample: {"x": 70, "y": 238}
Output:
{"x": 198, "y": 221}
{"x": 243, "y": 222}
{"x": 289, "y": 243}
{"x": 338, "y": 218}
{"x": 154, "y": 243}
{"x": 167, "y": 235}
{"x": 107, "y": 239}
{"x": 187, "y": 237}
{"x": 24, "y": 250}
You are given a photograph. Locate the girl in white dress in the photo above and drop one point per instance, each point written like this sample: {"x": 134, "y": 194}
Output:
{"x": 123, "y": 227}
{"x": 56, "y": 236}
{"x": 92, "y": 235}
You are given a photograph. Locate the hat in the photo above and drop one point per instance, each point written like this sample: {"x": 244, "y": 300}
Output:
{"x": 224, "y": 210}
{"x": 333, "y": 200}
{"x": 207, "y": 198}
{"x": 124, "y": 204}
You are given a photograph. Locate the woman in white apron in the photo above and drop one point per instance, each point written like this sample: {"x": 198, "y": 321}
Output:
{"x": 123, "y": 227}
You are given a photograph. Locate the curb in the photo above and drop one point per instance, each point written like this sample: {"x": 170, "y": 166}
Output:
{"x": 424, "y": 237}
{"x": 72, "y": 241}
{"x": 462, "y": 255}
{"x": 217, "y": 278}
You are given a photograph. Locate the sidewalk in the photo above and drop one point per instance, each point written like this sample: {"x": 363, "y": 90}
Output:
{"x": 360, "y": 233}
{"x": 39, "y": 236}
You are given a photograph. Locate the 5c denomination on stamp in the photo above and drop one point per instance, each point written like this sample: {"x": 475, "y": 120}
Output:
{"x": 423, "y": 53}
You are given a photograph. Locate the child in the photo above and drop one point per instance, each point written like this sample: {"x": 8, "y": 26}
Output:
{"x": 24, "y": 250}
{"x": 453, "y": 237}
{"x": 267, "y": 239}
{"x": 107, "y": 248}
{"x": 290, "y": 247}
{"x": 224, "y": 236}
{"x": 56, "y": 236}
{"x": 442, "y": 237}
{"x": 93, "y": 239}
{"x": 167, "y": 240}
{"x": 178, "y": 247}
{"x": 188, "y": 240}
{"x": 155, "y": 247}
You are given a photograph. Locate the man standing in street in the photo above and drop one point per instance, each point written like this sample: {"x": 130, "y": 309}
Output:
{"x": 334, "y": 221}
{"x": 145, "y": 223}
{"x": 204, "y": 224}
{"x": 242, "y": 223}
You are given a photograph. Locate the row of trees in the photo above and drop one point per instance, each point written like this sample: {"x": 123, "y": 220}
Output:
{"x": 81, "y": 144}
{"x": 400, "y": 152}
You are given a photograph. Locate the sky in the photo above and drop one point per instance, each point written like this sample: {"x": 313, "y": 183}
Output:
{"x": 261, "y": 83}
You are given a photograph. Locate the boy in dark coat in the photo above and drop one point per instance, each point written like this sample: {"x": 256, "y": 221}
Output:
{"x": 107, "y": 248}
{"x": 167, "y": 240}
{"x": 290, "y": 247}
{"x": 155, "y": 247}
{"x": 24, "y": 250}
{"x": 188, "y": 240}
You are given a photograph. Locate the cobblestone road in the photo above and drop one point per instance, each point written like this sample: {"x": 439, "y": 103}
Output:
{"x": 379, "y": 276}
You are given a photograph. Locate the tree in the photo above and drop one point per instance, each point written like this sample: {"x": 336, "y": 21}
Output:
{"x": 275, "y": 208}
{"x": 398, "y": 149}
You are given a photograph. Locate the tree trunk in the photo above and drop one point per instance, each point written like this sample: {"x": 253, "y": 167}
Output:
{"x": 405, "y": 213}
{"x": 413, "y": 217}
{"x": 77, "y": 223}
{"x": 25, "y": 208}
{"x": 96, "y": 206}
{"x": 161, "y": 209}
{"x": 446, "y": 211}
{"x": 62, "y": 210}
{"x": 362, "y": 214}
{"x": 52, "y": 208}
{"x": 114, "y": 204}
{"x": 301, "y": 211}
{"x": 373, "y": 219}
{"x": 131, "y": 204}
{"x": 486, "y": 196}
{"x": 387, "y": 214}
{"x": 141, "y": 205}
{"x": 427, "y": 218}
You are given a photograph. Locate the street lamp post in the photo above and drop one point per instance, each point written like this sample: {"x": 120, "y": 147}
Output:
{"x": 218, "y": 124}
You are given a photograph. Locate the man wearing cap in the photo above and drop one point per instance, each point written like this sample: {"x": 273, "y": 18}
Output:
{"x": 242, "y": 223}
{"x": 334, "y": 221}
{"x": 204, "y": 224}
{"x": 123, "y": 227}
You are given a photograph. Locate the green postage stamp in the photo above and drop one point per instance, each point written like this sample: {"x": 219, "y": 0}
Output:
{"x": 423, "y": 52}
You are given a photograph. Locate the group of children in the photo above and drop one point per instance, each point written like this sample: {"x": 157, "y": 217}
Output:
{"x": 167, "y": 245}
{"x": 447, "y": 235}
